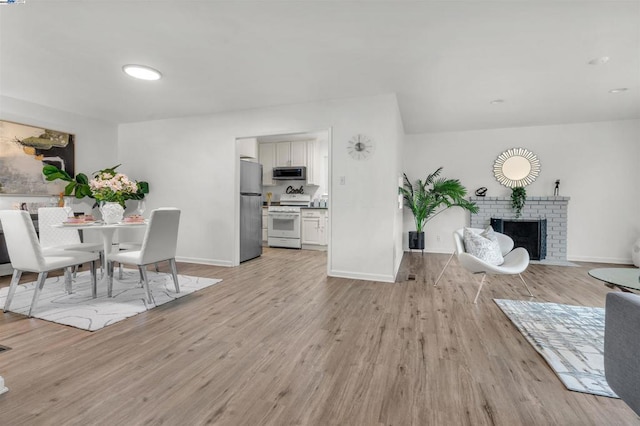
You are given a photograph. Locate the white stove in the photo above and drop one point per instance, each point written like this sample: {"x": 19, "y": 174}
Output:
{"x": 283, "y": 229}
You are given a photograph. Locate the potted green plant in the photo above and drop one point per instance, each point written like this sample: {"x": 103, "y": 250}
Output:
{"x": 427, "y": 199}
{"x": 518, "y": 198}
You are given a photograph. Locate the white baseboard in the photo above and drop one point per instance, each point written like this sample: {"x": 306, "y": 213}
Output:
{"x": 614, "y": 260}
{"x": 362, "y": 276}
{"x": 212, "y": 262}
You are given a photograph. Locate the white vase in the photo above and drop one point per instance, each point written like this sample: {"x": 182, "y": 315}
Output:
{"x": 112, "y": 213}
{"x": 635, "y": 253}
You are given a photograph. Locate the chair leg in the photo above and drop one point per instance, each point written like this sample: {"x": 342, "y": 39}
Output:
{"x": 525, "y": 284}
{"x": 94, "y": 284}
{"x": 12, "y": 288}
{"x": 481, "y": 284}
{"x": 120, "y": 271}
{"x": 42, "y": 276}
{"x": 102, "y": 267}
{"x": 158, "y": 268}
{"x": 145, "y": 282}
{"x": 75, "y": 272}
{"x": 174, "y": 273}
{"x": 67, "y": 280}
{"x": 444, "y": 269}
{"x": 109, "y": 278}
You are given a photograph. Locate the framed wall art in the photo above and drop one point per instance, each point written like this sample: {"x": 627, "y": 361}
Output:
{"x": 24, "y": 150}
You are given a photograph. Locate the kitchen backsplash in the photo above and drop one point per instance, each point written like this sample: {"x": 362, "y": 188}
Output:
{"x": 277, "y": 190}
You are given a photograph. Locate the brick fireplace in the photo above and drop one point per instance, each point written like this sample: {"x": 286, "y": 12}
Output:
{"x": 553, "y": 209}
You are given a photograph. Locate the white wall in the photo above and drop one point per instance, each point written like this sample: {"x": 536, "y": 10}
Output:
{"x": 96, "y": 141}
{"x": 191, "y": 163}
{"x": 597, "y": 164}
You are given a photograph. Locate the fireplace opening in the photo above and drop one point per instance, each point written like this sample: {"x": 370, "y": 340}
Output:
{"x": 530, "y": 234}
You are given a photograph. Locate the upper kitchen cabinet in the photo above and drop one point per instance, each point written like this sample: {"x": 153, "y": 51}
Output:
{"x": 248, "y": 148}
{"x": 267, "y": 157}
{"x": 291, "y": 153}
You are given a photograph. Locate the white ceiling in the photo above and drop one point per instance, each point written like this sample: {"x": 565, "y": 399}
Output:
{"x": 445, "y": 60}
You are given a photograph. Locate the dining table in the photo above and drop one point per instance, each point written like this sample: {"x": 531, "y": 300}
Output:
{"x": 106, "y": 230}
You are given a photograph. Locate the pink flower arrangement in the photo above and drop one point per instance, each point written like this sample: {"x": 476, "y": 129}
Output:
{"x": 112, "y": 187}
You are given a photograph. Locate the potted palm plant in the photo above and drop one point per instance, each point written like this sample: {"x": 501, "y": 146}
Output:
{"x": 427, "y": 199}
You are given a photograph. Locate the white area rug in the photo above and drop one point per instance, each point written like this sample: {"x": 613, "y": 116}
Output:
{"x": 570, "y": 338}
{"x": 80, "y": 310}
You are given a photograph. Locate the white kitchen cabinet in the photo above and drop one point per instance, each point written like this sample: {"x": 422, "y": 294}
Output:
{"x": 312, "y": 167}
{"x": 314, "y": 228}
{"x": 265, "y": 224}
{"x": 267, "y": 157}
{"x": 291, "y": 153}
{"x": 248, "y": 148}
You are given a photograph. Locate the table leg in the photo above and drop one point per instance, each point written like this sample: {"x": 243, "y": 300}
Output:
{"x": 107, "y": 241}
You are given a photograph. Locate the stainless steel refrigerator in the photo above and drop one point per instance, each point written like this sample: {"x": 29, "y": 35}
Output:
{"x": 250, "y": 210}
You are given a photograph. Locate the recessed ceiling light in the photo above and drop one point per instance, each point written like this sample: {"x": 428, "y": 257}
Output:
{"x": 618, "y": 90}
{"x": 141, "y": 72}
{"x": 599, "y": 61}
{"x": 497, "y": 101}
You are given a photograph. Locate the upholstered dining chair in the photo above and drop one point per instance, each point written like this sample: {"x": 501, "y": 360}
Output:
{"x": 515, "y": 262}
{"x": 26, "y": 255}
{"x": 53, "y": 239}
{"x": 159, "y": 244}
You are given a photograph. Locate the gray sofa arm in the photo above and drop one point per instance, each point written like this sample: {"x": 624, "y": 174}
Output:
{"x": 622, "y": 347}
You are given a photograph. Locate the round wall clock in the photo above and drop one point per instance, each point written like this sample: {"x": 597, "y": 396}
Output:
{"x": 360, "y": 147}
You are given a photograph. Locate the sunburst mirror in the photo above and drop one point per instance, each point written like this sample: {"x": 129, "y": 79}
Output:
{"x": 516, "y": 167}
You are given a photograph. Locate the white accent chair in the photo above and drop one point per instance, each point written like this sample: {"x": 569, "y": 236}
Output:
{"x": 26, "y": 255}
{"x": 55, "y": 239}
{"x": 516, "y": 260}
{"x": 159, "y": 244}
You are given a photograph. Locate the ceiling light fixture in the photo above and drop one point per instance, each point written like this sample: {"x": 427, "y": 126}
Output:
{"x": 618, "y": 90}
{"x": 142, "y": 72}
{"x": 599, "y": 61}
{"x": 497, "y": 101}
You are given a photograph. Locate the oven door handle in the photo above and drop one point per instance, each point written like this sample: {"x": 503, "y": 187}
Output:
{"x": 283, "y": 216}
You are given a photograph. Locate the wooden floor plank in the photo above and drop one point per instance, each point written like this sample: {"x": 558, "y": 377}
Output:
{"x": 279, "y": 343}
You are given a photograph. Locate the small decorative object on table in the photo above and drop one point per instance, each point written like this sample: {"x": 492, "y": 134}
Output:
{"x": 556, "y": 190}
{"x": 481, "y": 192}
{"x": 112, "y": 212}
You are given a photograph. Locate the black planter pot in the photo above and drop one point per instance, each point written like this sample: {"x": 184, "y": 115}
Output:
{"x": 416, "y": 240}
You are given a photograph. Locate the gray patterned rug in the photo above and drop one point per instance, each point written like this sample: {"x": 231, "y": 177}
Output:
{"x": 569, "y": 338}
{"x": 80, "y": 310}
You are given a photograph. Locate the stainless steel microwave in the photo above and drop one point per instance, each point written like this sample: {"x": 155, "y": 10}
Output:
{"x": 289, "y": 173}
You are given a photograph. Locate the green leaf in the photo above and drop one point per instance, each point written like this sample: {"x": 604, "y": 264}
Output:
{"x": 68, "y": 190}
{"x": 82, "y": 179}
{"x": 49, "y": 169}
{"x": 55, "y": 176}
{"x": 143, "y": 187}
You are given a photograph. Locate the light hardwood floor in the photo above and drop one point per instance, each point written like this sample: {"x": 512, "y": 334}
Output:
{"x": 279, "y": 343}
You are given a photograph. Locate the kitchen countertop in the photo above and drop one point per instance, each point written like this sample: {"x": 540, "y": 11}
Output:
{"x": 302, "y": 207}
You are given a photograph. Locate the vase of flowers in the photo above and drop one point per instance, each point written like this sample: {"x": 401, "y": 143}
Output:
{"x": 111, "y": 189}
{"x": 108, "y": 185}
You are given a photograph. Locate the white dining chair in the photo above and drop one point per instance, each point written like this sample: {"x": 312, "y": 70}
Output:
{"x": 53, "y": 239}
{"x": 26, "y": 255}
{"x": 159, "y": 244}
